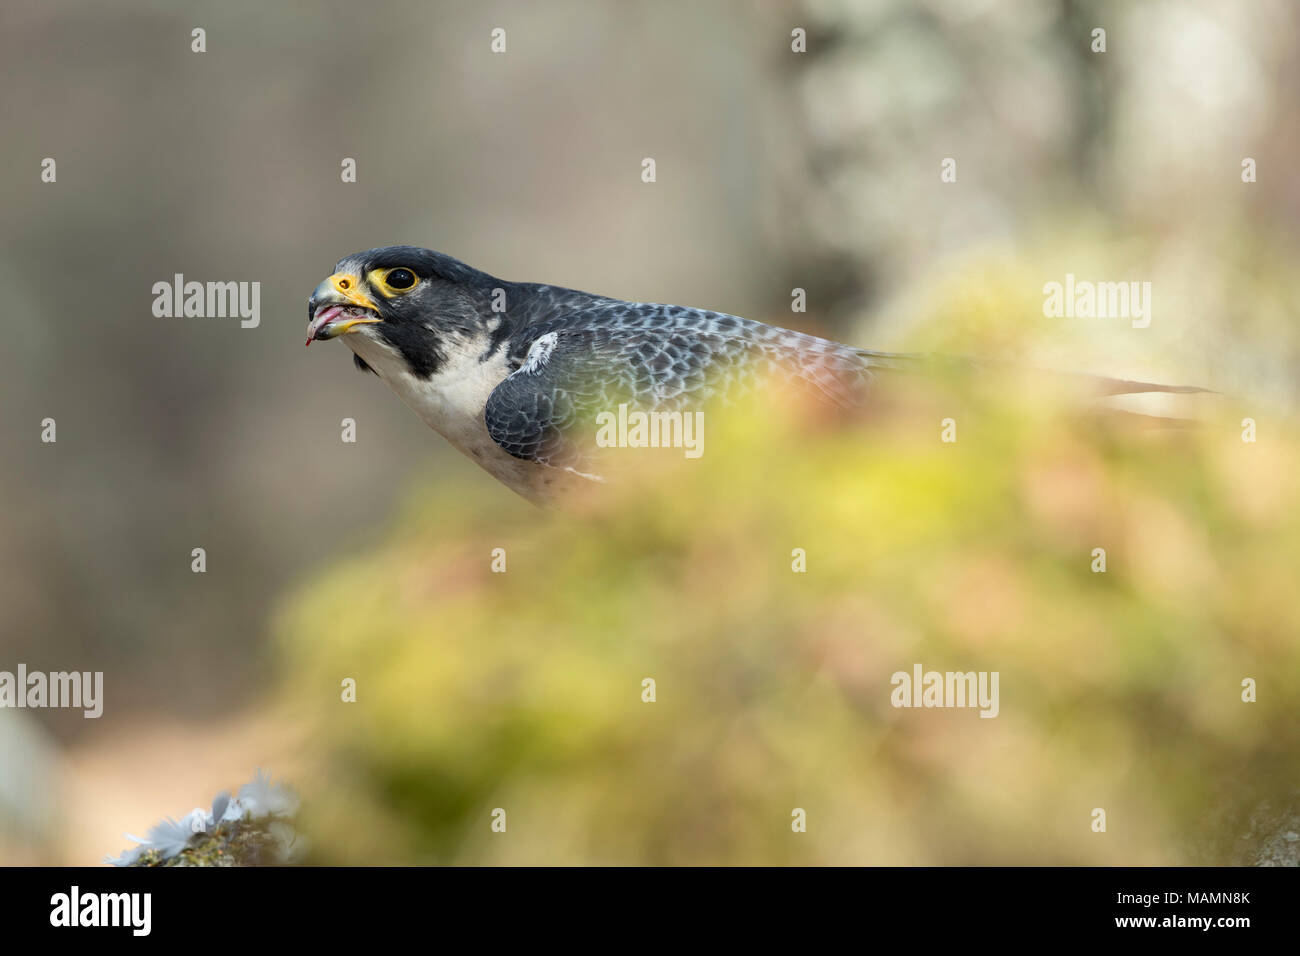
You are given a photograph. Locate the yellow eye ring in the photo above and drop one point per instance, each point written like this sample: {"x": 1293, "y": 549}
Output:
{"x": 395, "y": 281}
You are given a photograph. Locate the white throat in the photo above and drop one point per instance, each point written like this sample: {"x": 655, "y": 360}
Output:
{"x": 451, "y": 400}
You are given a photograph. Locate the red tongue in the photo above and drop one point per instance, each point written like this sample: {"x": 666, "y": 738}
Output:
{"x": 320, "y": 320}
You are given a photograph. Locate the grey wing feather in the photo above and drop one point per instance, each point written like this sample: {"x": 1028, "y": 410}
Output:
{"x": 654, "y": 358}
{"x": 669, "y": 358}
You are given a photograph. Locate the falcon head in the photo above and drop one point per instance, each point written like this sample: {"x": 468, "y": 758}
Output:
{"x": 411, "y": 299}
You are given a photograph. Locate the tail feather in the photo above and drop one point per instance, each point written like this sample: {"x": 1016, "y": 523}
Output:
{"x": 1105, "y": 385}
{"x": 1094, "y": 387}
{"x": 1120, "y": 386}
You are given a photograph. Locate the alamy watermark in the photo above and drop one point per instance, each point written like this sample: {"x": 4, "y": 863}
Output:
{"x": 58, "y": 689}
{"x": 129, "y": 910}
{"x": 637, "y": 429}
{"x": 210, "y": 300}
{"x": 1084, "y": 299}
{"x": 923, "y": 688}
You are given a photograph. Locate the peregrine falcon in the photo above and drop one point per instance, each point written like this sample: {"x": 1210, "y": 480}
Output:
{"x": 515, "y": 374}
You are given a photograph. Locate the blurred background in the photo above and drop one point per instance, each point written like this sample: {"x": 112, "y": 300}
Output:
{"x": 776, "y": 170}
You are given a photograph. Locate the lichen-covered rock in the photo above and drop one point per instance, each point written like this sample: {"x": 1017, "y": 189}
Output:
{"x": 251, "y": 829}
{"x": 1273, "y": 836}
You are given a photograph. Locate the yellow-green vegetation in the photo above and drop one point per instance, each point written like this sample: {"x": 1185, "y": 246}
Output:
{"x": 1120, "y": 690}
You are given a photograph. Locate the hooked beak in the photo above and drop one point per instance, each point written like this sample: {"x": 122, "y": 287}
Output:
{"x": 337, "y": 307}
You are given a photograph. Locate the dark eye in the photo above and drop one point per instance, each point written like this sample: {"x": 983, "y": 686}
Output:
{"x": 399, "y": 278}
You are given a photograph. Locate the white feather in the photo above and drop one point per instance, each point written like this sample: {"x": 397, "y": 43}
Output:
{"x": 451, "y": 401}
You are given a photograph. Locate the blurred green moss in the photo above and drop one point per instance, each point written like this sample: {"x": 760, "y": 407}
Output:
{"x": 1121, "y": 690}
